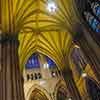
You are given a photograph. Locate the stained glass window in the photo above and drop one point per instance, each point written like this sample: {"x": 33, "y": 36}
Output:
{"x": 33, "y": 62}
{"x": 50, "y": 62}
{"x": 94, "y": 25}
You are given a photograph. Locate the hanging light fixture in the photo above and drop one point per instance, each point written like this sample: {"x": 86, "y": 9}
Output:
{"x": 51, "y": 6}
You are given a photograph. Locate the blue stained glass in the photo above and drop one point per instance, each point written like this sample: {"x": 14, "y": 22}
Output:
{"x": 33, "y": 62}
{"x": 90, "y": 21}
{"x": 50, "y": 62}
{"x": 97, "y": 30}
{"x": 98, "y": 11}
{"x": 94, "y": 25}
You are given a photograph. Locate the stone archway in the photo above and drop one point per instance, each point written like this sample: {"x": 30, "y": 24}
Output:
{"x": 36, "y": 91}
{"x": 61, "y": 95}
{"x": 38, "y": 95}
{"x": 61, "y": 92}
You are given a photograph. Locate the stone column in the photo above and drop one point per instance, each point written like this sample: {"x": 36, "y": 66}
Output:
{"x": 88, "y": 40}
{"x": 68, "y": 77}
{"x": 90, "y": 49}
{"x": 0, "y": 75}
{"x": 11, "y": 82}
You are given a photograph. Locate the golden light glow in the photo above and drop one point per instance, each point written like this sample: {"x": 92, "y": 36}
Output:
{"x": 53, "y": 44}
{"x": 40, "y": 30}
{"x": 32, "y": 15}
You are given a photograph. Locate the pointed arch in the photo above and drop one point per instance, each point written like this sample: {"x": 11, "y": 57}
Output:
{"x": 38, "y": 89}
{"x": 61, "y": 88}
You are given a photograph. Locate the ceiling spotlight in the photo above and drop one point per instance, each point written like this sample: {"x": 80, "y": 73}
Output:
{"x": 51, "y": 6}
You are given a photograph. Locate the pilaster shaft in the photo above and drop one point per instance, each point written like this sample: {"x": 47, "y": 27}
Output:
{"x": 91, "y": 51}
{"x": 67, "y": 74}
{"x": 11, "y": 83}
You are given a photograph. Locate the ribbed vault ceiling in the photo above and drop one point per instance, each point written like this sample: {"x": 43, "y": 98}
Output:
{"x": 53, "y": 44}
{"x": 32, "y": 15}
{"x": 40, "y": 30}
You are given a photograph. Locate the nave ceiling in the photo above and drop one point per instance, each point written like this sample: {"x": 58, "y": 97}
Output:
{"x": 39, "y": 29}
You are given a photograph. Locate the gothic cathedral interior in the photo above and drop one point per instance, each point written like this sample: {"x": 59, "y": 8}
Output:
{"x": 49, "y": 49}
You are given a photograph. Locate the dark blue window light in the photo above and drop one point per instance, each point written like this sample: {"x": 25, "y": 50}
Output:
{"x": 94, "y": 24}
{"x": 33, "y": 62}
{"x": 50, "y": 62}
{"x": 98, "y": 11}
